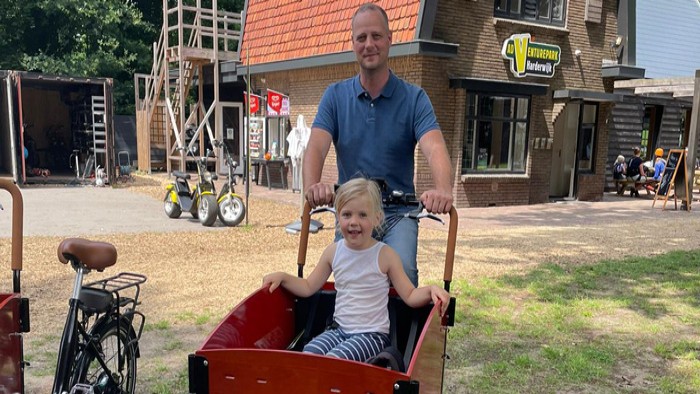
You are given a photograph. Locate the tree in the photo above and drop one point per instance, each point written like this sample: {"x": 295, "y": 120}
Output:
{"x": 90, "y": 38}
{"x": 15, "y": 21}
{"x": 87, "y": 38}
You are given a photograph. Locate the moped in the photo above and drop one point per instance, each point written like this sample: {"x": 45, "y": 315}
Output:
{"x": 199, "y": 201}
{"x": 231, "y": 207}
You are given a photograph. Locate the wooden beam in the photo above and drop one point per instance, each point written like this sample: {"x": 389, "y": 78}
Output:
{"x": 663, "y": 89}
{"x": 637, "y": 83}
{"x": 693, "y": 137}
{"x": 683, "y": 93}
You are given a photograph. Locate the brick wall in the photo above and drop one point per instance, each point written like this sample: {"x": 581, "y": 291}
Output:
{"x": 471, "y": 25}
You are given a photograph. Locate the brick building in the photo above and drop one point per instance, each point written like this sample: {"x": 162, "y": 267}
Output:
{"x": 516, "y": 85}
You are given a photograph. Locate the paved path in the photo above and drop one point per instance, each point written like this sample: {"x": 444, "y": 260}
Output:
{"x": 82, "y": 211}
{"x": 613, "y": 209}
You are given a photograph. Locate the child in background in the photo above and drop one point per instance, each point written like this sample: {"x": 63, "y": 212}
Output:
{"x": 620, "y": 172}
{"x": 362, "y": 268}
{"x": 660, "y": 164}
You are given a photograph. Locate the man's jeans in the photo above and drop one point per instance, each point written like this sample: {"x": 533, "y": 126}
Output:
{"x": 401, "y": 234}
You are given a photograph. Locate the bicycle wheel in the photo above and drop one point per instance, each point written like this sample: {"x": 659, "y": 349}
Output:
{"x": 110, "y": 338}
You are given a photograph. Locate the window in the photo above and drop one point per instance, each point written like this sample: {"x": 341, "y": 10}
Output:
{"x": 540, "y": 11}
{"x": 587, "y": 138}
{"x": 495, "y": 139}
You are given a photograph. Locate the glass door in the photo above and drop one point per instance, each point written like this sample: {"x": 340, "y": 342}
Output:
{"x": 232, "y": 129}
{"x": 276, "y": 138}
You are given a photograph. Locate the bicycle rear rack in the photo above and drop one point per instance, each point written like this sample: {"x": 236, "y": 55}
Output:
{"x": 117, "y": 283}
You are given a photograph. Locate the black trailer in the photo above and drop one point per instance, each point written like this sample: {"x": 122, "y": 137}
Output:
{"x": 55, "y": 129}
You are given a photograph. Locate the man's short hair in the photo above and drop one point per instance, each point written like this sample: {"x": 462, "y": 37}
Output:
{"x": 371, "y": 7}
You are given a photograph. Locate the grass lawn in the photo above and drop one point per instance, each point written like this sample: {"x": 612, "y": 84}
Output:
{"x": 609, "y": 327}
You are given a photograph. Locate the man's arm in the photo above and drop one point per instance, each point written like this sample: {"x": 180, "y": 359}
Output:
{"x": 316, "y": 193}
{"x": 438, "y": 200}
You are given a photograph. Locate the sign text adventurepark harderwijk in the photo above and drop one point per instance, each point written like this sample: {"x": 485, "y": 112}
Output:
{"x": 528, "y": 58}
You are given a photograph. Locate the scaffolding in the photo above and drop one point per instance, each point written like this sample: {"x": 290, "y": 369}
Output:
{"x": 193, "y": 35}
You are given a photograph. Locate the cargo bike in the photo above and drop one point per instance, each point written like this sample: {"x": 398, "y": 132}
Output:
{"x": 256, "y": 348}
{"x": 14, "y": 309}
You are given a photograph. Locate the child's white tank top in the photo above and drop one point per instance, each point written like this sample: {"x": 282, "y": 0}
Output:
{"x": 362, "y": 290}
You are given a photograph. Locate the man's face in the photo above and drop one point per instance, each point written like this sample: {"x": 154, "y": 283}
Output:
{"x": 370, "y": 40}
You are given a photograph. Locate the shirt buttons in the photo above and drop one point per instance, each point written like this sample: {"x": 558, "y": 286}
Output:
{"x": 371, "y": 105}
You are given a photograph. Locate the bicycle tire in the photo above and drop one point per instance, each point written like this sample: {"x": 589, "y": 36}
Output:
{"x": 89, "y": 371}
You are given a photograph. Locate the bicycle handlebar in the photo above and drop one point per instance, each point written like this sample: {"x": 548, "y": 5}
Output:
{"x": 416, "y": 214}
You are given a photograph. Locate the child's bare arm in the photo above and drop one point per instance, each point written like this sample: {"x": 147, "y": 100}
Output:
{"x": 303, "y": 287}
{"x": 412, "y": 296}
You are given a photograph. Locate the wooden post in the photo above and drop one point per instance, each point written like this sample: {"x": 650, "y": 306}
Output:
{"x": 693, "y": 138}
{"x": 218, "y": 118}
{"x": 166, "y": 81}
{"x": 181, "y": 79}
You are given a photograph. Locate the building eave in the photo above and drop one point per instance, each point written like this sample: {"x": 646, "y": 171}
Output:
{"x": 586, "y": 95}
{"x": 497, "y": 86}
{"x": 416, "y": 47}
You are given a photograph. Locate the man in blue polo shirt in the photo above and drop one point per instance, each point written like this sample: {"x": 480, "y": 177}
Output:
{"x": 375, "y": 120}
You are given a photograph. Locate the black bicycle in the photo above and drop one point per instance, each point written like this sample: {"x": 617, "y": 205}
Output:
{"x": 100, "y": 342}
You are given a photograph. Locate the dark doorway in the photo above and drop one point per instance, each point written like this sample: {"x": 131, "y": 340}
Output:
{"x": 651, "y": 125}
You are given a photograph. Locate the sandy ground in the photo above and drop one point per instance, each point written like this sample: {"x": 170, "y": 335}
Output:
{"x": 200, "y": 273}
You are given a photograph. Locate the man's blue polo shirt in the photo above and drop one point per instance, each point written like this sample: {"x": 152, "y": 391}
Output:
{"x": 376, "y": 138}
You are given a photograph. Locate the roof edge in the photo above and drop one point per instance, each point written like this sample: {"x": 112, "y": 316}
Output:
{"x": 586, "y": 95}
{"x": 415, "y": 47}
{"x": 498, "y": 86}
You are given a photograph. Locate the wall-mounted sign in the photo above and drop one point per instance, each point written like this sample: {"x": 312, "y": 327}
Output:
{"x": 277, "y": 104}
{"x": 528, "y": 58}
{"x": 254, "y": 102}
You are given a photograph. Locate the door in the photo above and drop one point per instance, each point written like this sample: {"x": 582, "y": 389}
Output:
{"x": 651, "y": 125}
{"x": 276, "y": 138}
{"x": 232, "y": 129}
{"x": 564, "y": 146}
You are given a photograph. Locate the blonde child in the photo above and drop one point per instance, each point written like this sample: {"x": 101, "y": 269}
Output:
{"x": 363, "y": 269}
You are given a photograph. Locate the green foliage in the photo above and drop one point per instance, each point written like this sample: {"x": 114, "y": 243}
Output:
{"x": 90, "y": 38}
{"x": 87, "y": 38}
{"x": 14, "y": 21}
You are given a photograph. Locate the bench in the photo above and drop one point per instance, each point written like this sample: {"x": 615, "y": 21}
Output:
{"x": 623, "y": 184}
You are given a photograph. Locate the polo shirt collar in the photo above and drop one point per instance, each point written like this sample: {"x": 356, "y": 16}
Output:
{"x": 388, "y": 90}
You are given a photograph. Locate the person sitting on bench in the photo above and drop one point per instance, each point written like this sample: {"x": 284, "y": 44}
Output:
{"x": 362, "y": 268}
{"x": 619, "y": 173}
{"x": 635, "y": 171}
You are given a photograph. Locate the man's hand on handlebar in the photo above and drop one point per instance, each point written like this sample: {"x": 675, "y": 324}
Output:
{"x": 320, "y": 194}
{"x": 436, "y": 201}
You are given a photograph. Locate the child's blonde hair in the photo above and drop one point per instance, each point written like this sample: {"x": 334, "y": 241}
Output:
{"x": 620, "y": 159}
{"x": 360, "y": 187}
